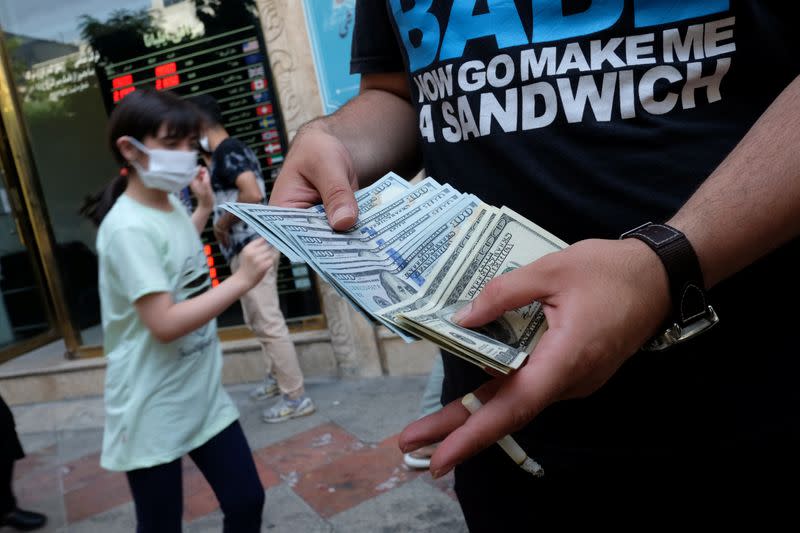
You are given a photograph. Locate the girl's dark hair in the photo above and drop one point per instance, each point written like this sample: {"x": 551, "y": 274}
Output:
{"x": 140, "y": 114}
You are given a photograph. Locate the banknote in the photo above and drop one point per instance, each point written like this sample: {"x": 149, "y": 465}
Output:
{"x": 416, "y": 255}
{"x": 511, "y": 242}
{"x": 265, "y": 218}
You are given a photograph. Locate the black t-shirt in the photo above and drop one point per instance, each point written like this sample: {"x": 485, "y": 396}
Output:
{"x": 231, "y": 159}
{"x": 590, "y": 119}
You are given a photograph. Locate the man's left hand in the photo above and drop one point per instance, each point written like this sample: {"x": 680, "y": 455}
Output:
{"x": 603, "y": 299}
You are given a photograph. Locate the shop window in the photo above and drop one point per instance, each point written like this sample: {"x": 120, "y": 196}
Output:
{"x": 73, "y": 61}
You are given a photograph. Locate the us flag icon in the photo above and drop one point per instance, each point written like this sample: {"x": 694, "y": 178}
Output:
{"x": 250, "y": 46}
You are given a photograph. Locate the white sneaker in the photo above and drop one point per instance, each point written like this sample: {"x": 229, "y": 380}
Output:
{"x": 420, "y": 459}
{"x": 417, "y": 463}
{"x": 268, "y": 389}
{"x": 287, "y": 409}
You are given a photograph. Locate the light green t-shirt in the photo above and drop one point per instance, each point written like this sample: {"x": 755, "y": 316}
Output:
{"x": 161, "y": 400}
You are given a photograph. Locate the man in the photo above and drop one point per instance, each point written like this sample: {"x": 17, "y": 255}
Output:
{"x": 236, "y": 177}
{"x": 591, "y": 119}
{"x": 10, "y": 452}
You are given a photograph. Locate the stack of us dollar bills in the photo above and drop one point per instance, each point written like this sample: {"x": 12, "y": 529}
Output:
{"x": 416, "y": 255}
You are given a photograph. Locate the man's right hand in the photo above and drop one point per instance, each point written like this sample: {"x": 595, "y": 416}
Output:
{"x": 318, "y": 168}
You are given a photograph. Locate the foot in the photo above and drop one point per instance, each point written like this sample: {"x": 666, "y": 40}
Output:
{"x": 23, "y": 520}
{"x": 268, "y": 389}
{"x": 420, "y": 459}
{"x": 287, "y": 409}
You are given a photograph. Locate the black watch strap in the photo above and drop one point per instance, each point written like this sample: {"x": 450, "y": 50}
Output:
{"x": 691, "y": 313}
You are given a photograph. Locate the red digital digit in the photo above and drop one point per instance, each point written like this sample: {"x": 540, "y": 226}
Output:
{"x": 122, "y": 85}
{"x": 212, "y": 269}
{"x": 166, "y": 68}
{"x": 167, "y": 76}
{"x": 122, "y": 81}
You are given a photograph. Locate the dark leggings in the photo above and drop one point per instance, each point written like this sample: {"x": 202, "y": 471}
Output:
{"x": 226, "y": 462}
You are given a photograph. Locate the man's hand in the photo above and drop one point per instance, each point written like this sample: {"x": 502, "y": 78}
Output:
{"x": 603, "y": 299}
{"x": 318, "y": 168}
{"x": 255, "y": 259}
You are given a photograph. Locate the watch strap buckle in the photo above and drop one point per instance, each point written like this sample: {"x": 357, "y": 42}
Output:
{"x": 680, "y": 332}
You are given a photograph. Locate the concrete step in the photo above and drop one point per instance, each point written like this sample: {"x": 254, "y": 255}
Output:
{"x": 45, "y": 375}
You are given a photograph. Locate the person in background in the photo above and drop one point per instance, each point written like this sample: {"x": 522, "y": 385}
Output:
{"x": 10, "y": 452}
{"x": 236, "y": 177}
{"x": 661, "y": 139}
{"x": 163, "y": 393}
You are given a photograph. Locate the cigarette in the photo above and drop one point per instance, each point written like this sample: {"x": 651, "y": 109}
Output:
{"x": 507, "y": 443}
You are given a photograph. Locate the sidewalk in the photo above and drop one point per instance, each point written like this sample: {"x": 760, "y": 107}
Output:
{"x": 338, "y": 470}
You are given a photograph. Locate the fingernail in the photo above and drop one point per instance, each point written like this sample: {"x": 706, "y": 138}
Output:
{"x": 462, "y": 313}
{"x": 341, "y": 214}
{"x": 436, "y": 474}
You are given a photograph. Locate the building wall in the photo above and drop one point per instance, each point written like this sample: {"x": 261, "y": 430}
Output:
{"x": 284, "y": 27}
{"x": 356, "y": 342}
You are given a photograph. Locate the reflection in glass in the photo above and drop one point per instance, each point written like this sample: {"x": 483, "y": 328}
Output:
{"x": 73, "y": 61}
{"x": 22, "y": 309}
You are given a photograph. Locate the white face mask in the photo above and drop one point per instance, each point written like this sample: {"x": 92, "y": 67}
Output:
{"x": 168, "y": 170}
{"x": 204, "y": 144}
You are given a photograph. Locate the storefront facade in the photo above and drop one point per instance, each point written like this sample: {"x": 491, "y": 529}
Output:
{"x": 64, "y": 67}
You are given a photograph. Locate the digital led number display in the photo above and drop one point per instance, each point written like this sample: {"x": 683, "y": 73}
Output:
{"x": 167, "y": 76}
{"x": 122, "y": 85}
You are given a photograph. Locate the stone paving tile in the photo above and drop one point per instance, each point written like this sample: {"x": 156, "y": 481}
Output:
{"x": 103, "y": 493}
{"x": 77, "y": 443}
{"x": 120, "y": 519}
{"x": 334, "y": 472}
{"x": 42, "y": 458}
{"x": 353, "y": 478}
{"x": 371, "y": 409}
{"x": 51, "y": 503}
{"x": 198, "y": 496}
{"x": 41, "y": 484}
{"x": 286, "y": 512}
{"x": 308, "y": 450}
{"x": 445, "y": 483}
{"x": 82, "y": 472}
{"x": 415, "y": 507}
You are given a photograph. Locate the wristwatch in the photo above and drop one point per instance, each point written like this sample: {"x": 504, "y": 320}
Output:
{"x": 691, "y": 313}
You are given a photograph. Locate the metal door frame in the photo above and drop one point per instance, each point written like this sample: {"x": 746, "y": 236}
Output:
{"x": 33, "y": 222}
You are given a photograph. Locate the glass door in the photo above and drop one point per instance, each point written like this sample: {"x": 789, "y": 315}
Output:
{"x": 33, "y": 303}
{"x": 26, "y": 320}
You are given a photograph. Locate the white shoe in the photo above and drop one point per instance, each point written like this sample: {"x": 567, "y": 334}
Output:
{"x": 417, "y": 463}
{"x": 287, "y": 409}
{"x": 268, "y": 389}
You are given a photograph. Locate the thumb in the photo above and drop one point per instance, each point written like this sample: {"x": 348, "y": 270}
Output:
{"x": 510, "y": 291}
{"x": 339, "y": 200}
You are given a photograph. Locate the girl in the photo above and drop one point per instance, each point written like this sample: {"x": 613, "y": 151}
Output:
{"x": 163, "y": 392}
